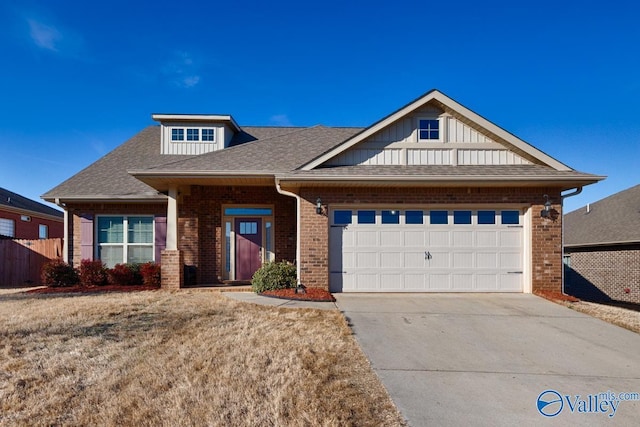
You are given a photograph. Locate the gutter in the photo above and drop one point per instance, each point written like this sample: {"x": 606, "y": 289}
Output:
{"x": 577, "y": 191}
{"x": 65, "y": 240}
{"x": 298, "y": 227}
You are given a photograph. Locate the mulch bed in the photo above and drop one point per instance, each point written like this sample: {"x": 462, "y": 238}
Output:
{"x": 311, "y": 294}
{"x": 91, "y": 289}
{"x": 556, "y": 296}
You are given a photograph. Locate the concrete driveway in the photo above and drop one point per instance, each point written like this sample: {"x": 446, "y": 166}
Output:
{"x": 485, "y": 359}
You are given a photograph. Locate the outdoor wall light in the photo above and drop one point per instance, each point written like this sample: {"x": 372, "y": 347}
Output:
{"x": 546, "y": 212}
{"x": 319, "y": 206}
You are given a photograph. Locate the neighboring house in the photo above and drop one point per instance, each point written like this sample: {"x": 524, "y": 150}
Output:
{"x": 432, "y": 197}
{"x": 23, "y": 218}
{"x": 602, "y": 248}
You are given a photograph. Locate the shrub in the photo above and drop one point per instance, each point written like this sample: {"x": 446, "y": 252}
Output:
{"x": 57, "y": 273}
{"x": 124, "y": 275}
{"x": 274, "y": 275}
{"x": 92, "y": 273}
{"x": 150, "y": 274}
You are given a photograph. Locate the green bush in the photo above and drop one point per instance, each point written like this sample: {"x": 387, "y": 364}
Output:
{"x": 274, "y": 275}
{"x": 57, "y": 273}
{"x": 92, "y": 273}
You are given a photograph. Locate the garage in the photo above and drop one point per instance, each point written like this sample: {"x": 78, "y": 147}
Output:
{"x": 435, "y": 249}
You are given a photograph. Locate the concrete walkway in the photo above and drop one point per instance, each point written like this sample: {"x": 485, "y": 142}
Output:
{"x": 278, "y": 302}
{"x": 485, "y": 359}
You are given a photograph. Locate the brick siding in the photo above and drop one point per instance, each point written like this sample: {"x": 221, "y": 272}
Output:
{"x": 601, "y": 274}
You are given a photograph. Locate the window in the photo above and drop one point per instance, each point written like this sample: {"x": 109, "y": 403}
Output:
{"x": 428, "y": 130}
{"x": 462, "y": 217}
{"x": 366, "y": 217}
{"x": 194, "y": 134}
{"x": 248, "y": 228}
{"x": 7, "y": 227}
{"x": 439, "y": 217}
{"x": 208, "y": 135}
{"x": 43, "y": 231}
{"x": 486, "y": 217}
{"x": 177, "y": 134}
{"x": 342, "y": 217}
{"x": 248, "y": 211}
{"x": 390, "y": 217}
{"x": 123, "y": 239}
{"x": 510, "y": 217}
{"x": 413, "y": 217}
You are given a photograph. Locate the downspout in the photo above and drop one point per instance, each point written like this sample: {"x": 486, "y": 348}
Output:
{"x": 65, "y": 240}
{"x": 577, "y": 191}
{"x": 298, "y": 219}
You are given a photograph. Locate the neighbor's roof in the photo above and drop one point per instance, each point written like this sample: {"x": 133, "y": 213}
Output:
{"x": 613, "y": 220}
{"x": 14, "y": 201}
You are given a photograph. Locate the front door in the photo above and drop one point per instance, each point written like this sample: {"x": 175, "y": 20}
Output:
{"x": 248, "y": 233}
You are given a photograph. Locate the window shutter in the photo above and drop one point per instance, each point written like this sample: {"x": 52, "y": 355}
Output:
{"x": 86, "y": 237}
{"x": 160, "y": 241}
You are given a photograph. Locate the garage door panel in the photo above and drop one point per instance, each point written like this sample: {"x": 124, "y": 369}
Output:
{"x": 486, "y": 239}
{"x": 440, "y": 282}
{"x": 462, "y": 260}
{"x": 415, "y": 281}
{"x": 391, "y": 239}
{"x": 439, "y": 259}
{"x": 510, "y": 261}
{"x": 414, "y": 260}
{"x": 486, "y": 260}
{"x": 415, "y": 238}
{"x": 439, "y": 238}
{"x": 462, "y": 281}
{"x": 367, "y": 238}
{"x": 487, "y": 282}
{"x": 366, "y": 260}
{"x": 511, "y": 238}
{"x": 366, "y": 281}
{"x": 462, "y": 239}
{"x": 391, "y": 281}
{"x": 391, "y": 260}
{"x": 510, "y": 282}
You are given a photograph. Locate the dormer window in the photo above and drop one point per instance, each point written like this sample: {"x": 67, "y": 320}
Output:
{"x": 428, "y": 130}
{"x": 193, "y": 134}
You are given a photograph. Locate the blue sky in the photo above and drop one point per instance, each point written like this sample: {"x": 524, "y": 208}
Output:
{"x": 79, "y": 78}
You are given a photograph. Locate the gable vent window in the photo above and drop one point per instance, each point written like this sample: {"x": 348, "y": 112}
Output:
{"x": 428, "y": 130}
{"x": 193, "y": 134}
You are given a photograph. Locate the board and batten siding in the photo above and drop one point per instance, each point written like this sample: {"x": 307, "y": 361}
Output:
{"x": 223, "y": 135}
{"x": 398, "y": 144}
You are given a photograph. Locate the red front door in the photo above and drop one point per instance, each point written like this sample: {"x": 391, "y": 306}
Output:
{"x": 248, "y": 247}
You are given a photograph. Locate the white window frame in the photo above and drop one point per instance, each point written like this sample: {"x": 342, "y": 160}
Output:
{"x": 440, "y": 130}
{"x": 199, "y": 129}
{"x": 43, "y": 231}
{"x": 125, "y": 238}
{"x": 7, "y": 226}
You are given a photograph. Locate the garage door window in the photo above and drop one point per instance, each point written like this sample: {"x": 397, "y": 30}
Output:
{"x": 438, "y": 217}
{"x": 486, "y": 217}
{"x": 510, "y": 217}
{"x": 390, "y": 217}
{"x": 462, "y": 217}
{"x": 414, "y": 217}
{"x": 366, "y": 217}
{"x": 342, "y": 217}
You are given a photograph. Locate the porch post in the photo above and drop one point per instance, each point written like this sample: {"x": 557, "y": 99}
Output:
{"x": 172, "y": 265}
{"x": 172, "y": 220}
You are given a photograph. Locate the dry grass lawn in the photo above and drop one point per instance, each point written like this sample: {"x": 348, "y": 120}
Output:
{"x": 186, "y": 358}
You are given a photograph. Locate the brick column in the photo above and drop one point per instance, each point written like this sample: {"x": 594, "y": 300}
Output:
{"x": 172, "y": 269}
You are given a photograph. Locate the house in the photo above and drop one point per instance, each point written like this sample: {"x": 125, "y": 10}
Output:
{"x": 23, "y": 218}
{"x": 602, "y": 248}
{"x": 432, "y": 197}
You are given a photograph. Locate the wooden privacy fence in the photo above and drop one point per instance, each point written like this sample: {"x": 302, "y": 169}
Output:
{"x": 21, "y": 260}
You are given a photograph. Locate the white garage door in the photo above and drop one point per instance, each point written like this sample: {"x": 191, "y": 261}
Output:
{"x": 426, "y": 250}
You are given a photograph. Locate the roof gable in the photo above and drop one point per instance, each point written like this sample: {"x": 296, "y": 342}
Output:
{"x": 472, "y": 127}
